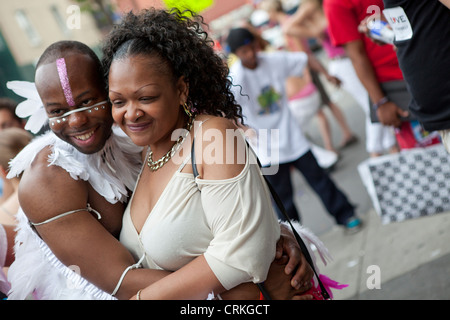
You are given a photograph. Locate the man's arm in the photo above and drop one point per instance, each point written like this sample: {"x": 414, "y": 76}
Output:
{"x": 298, "y": 24}
{"x": 388, "y": 113}
{"x": 317, "y": 66}
{"x": 445, "y": 3}
{"x": 79, "y": 238}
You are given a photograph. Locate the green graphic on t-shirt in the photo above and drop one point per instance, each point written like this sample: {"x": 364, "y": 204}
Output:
{"x": 269, "y": 100}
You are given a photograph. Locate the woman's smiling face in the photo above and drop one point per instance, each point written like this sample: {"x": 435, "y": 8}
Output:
{"x": 146, "y": 98}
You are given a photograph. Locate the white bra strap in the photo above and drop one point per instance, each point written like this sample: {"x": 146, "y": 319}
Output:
{"x": 88, "y": 208}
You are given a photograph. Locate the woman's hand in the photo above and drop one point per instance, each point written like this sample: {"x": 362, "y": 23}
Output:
{"x": 334, "y": 80}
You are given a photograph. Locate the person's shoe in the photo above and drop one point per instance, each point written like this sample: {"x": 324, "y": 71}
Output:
{"x": 352, "y": 140}
{"x": 353, "y": 225}
{"x": 325, "y": 158}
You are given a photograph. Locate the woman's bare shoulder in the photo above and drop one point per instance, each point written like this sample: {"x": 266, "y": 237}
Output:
{"x": 222, "y": 143}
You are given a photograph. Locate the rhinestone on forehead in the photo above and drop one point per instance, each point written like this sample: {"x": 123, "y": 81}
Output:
{"x": 63, "y": 118}
{"x": 64, "y": 79}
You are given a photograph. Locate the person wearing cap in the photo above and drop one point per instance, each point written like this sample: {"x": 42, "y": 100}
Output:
{"x": 259, "y": 87}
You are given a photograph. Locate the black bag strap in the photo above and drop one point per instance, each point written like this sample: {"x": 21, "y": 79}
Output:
{"x": 300, "y": 241}
{"x": 194, "y": 164}
{"x": 280, "y": 205}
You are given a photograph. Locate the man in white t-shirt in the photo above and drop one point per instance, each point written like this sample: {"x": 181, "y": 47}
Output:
{"x": 259, "y": 87}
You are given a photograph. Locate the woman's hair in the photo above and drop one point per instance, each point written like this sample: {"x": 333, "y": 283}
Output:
{"x": 12, "y": 141}
{"x": 185, "y": 50}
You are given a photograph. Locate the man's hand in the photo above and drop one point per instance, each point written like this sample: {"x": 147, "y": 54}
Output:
{"x": 281, "y": 284}
{"x": 278, "y": 285}
{"x": 390, "y": 114}
{"x": 288, "y": 253}
{"x": 363, "y": 28}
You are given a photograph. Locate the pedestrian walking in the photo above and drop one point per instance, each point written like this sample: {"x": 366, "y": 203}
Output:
{"x": 259, "y": 86}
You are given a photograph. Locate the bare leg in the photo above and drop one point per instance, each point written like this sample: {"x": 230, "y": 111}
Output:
{"x": 337, "y": 113}
{"x": 325, "y": 132}
{"x": 394, "y": 149}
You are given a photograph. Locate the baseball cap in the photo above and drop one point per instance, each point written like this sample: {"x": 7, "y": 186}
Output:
{"x": 239, "y": 37}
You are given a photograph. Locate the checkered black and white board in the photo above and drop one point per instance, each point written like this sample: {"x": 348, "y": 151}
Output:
{"x": 411, "y": 184}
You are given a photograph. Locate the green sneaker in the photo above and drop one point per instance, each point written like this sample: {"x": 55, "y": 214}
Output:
{"x": 353, "y": 225}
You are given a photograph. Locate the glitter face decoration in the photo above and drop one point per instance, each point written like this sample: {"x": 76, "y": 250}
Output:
{"x": 54, "y": 121}
{"x": 64, "y": 79}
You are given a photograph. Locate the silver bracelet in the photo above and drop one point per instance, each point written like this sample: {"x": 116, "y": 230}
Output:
{"x": 380, "y": 102}
{"x": 134, "y": 266}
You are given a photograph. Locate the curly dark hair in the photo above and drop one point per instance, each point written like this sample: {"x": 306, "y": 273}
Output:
{"x": 185, "y": 48}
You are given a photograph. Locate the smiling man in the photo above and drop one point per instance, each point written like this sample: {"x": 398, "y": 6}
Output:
{"x": 71, "y": 193}
{"x": 79, "y": 113}
{"x": 67, "y": 114}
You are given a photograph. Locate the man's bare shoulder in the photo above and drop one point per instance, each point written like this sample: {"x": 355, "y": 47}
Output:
{"x": 45, "y": 189}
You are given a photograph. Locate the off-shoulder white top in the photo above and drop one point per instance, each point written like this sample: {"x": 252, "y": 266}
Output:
{"x": 230, "y": 221}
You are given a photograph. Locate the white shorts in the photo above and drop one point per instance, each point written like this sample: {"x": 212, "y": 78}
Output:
{"x": 445, "y": 135}
{"x": 304, "y": 109}
{"x": 379, "y": 138}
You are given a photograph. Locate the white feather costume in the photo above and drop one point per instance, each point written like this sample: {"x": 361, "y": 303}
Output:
{"x": 36, "y": 272}
{"x": 4, "y": 285}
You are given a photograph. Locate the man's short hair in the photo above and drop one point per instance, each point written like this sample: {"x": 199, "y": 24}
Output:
{"x": 59, "y": 48}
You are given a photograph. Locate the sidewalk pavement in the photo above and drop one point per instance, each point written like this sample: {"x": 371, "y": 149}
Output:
{"x": 411, "y": 258}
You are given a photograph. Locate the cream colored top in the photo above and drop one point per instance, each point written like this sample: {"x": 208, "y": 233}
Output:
{"x": 230, "y": 221}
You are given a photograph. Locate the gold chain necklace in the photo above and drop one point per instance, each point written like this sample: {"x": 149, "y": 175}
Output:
{"x": 155, "y": 165}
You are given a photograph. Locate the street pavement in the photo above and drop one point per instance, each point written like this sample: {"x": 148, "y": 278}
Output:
{"x": 403, "y": 260}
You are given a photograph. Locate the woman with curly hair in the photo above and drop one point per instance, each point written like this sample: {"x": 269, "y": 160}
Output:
{"x": 210, "y": 219}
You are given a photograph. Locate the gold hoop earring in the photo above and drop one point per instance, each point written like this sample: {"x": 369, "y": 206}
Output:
{"x": 187, "y": 110}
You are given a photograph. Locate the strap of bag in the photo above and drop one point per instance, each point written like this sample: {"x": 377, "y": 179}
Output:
{"x": 194, "y": 164}
{"x": 280, "y": 205}
{"x": 300, "y": 241}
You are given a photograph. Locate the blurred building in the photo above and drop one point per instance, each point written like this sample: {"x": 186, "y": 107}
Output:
{"x": 137, "y": 5}
{"x": 217, "y": 8}
{"x": 219, "y": 15}
{"x": 27, "y": 27}
{"x": 222, "y": 15}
